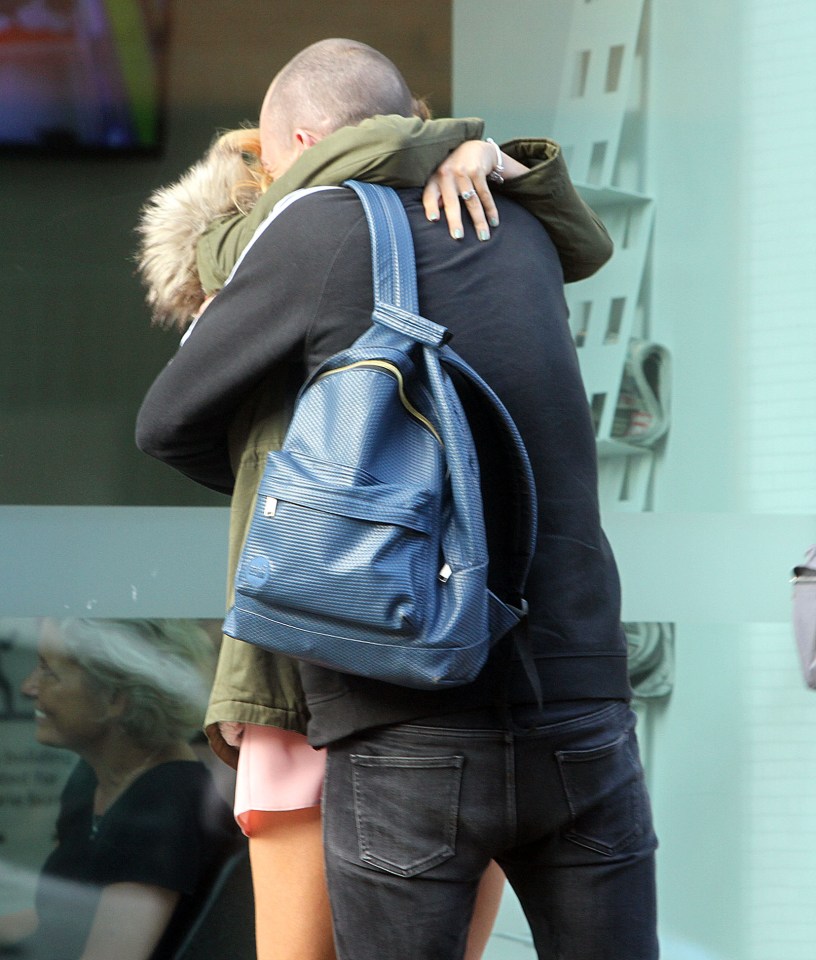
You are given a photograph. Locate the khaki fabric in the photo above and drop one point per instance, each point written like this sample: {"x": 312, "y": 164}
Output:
{"x": 253, "y": 685}
{"x": 403, "y": 152}
{"x": 548, "y": 193}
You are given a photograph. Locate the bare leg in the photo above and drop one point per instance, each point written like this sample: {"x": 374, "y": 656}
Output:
{"x": 292, "y": 915}
{"x": 488, "y": 899}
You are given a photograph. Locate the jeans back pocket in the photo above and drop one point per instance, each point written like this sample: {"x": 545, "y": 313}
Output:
{"x": 406, "y": 810}
{"x": 605, "y": 792}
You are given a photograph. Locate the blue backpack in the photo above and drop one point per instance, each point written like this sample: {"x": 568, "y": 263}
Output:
{"x": 367, "y": 551}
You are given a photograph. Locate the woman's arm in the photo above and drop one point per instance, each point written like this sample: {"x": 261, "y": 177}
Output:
{"x": 399, "y": 151}
{"x": 129, "y": 921}
{"x": 547, "y": 191}
{"x": 192, "y": 231}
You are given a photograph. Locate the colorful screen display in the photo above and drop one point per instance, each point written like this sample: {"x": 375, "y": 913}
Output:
{"x": 82, "y": 75}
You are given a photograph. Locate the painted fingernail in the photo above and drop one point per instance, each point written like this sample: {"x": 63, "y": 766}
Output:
{"x": 493, "y": 221}
{"x": 458, "y": 234}
{"x": 484, "y": 234}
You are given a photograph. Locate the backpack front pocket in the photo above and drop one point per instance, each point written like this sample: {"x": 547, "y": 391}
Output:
{"x": 363, "y": 555}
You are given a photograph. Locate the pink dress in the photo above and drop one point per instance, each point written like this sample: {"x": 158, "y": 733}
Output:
{"x": 277, "y": 770}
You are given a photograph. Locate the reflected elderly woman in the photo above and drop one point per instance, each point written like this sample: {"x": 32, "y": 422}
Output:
{"x": 140, "y": 828}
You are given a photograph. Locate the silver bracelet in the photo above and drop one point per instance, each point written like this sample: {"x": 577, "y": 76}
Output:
{"x": 495, "y": 175}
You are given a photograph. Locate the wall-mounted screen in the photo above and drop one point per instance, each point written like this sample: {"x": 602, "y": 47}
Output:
{"x": 82, "y": 76}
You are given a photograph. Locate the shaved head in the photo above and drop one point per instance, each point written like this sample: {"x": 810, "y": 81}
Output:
{"x": 331, "y": 84}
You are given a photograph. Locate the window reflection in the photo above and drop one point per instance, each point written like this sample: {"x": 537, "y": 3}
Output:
{"x": 110, "y": 826}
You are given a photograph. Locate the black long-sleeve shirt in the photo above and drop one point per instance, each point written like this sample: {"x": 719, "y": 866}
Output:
{"x": 302, "y": 292}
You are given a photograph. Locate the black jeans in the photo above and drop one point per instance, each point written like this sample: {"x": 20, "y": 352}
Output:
{"x": 413, "y": 814}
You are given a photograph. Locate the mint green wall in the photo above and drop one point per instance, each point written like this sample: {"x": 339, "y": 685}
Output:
{"x": 694, "y": 161}
{"x": 726, "y": 134}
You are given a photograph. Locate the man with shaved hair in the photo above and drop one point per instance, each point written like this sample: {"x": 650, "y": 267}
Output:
{"x": 424, "y": 788}
{"x": 335, "y": 83}
{"x": 331, "y": 84}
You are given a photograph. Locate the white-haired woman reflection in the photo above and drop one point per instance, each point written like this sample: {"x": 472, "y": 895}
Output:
{"x": 140, "y": 828}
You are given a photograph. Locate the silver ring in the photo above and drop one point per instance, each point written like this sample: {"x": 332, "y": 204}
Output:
{"x": 468, "y": 195}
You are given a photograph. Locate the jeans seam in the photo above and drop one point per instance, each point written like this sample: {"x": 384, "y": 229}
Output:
{"x": 511, "y": 811}
{"x": 576, "y": 723}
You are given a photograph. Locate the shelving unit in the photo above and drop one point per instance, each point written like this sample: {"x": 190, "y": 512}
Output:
{"x": 599, "y": 120}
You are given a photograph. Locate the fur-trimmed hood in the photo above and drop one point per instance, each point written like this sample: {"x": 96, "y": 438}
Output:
{"x": 174, "y": 218}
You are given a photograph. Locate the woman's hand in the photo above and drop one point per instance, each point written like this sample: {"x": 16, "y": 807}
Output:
{"x": 463, "y": 175}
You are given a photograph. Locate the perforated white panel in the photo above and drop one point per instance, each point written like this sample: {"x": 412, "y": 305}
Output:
{"x": 595, "y": 85}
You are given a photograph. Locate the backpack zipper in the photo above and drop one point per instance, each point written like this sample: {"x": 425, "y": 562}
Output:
{"x": 395, "y": 371}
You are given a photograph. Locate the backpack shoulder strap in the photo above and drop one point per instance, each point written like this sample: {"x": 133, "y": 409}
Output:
{"x": 392, "y": 250}
{"x": 396, "y": 303}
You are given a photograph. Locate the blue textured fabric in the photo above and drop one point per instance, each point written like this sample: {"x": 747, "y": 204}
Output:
{"x": 366, "y": 552}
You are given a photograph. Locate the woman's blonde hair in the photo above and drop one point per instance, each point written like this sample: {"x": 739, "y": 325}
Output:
{"x": 227, "y": 180}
